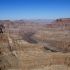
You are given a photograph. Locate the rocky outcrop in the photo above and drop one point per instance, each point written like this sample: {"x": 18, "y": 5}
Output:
{"x": 59, "y": 23}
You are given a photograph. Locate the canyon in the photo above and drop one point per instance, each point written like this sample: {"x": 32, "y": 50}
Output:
{"x": 26, "y": 45}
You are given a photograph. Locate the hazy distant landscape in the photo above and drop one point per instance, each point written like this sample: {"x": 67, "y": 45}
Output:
{"x": 34, "y": 35}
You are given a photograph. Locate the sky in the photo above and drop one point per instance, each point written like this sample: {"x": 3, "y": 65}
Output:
{"x": 34, "y": 9}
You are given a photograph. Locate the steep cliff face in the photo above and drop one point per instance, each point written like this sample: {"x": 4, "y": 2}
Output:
{"x": 17, "y": 54}
{"x": 59, "y": 23}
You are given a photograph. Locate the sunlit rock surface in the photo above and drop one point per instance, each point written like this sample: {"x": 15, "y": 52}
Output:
{"x": 18, "y": 54}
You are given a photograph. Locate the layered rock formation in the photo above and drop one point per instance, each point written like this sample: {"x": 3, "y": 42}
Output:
{"x": 47, "y": 54}
{"x": 56, "y": 34}
{"x": 62, "y": 23}
{"x": 20, "y": 27}
{"x": 18, "y": 54}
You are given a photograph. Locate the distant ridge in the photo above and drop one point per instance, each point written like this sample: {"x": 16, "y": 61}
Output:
{"x": 42, "y": 21}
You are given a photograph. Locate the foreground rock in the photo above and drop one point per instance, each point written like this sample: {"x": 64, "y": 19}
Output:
{"x": 22, "y": 55}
